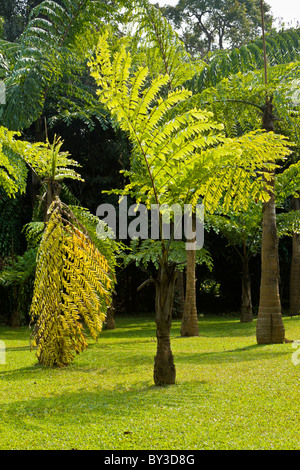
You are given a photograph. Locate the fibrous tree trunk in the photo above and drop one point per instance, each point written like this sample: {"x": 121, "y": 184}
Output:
{"x": 164, "y": 368}
{"x": 180, "y": 293}
{"x": 295, "y": 269}
{"x": 246, "y": 304}
{"x": 270, "y": 327}
{"x": 53, "y": 190}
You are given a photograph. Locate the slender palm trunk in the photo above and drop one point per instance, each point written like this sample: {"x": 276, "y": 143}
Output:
{"x": 246, "y": 304}
{"x": 189, "y": 322}
{"x": 164, "y": 368}
{"x": 295, "y": 269}
{"x": 269, "y": 327}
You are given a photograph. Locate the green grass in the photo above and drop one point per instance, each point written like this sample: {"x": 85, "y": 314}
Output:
{"x": 230, "y": 393}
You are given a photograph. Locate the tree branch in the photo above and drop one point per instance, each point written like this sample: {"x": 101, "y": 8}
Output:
{"x": 146, "y": 283}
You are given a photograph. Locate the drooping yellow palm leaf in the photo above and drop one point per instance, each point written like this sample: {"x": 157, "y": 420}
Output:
{"x": 71, "y": 290}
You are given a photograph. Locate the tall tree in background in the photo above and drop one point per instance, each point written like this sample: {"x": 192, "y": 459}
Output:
{"x": 269, "y": 327}
{"x": 259, "y": 99}
{"x": 44, "y": 70}
{"x": 207, "y": 25}
{"x": 295, "y": 267}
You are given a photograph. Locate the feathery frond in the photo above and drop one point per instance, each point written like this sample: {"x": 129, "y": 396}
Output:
{"x": 50, "y": 59}
{"x": 282, "y": 48}
{"x": 184, "y": 155}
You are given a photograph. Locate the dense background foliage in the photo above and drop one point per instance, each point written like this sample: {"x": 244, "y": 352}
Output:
{"x": 68, "y": 109}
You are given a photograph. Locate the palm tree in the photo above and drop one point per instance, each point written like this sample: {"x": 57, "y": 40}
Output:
{"x": 248, "y": 92}
{"x": 179, "y": 155}
{"x": 278, "y": 49}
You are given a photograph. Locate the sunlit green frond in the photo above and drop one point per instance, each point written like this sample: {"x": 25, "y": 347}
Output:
{"x": 13, "y": 171}
{"x": 182, "y": 156}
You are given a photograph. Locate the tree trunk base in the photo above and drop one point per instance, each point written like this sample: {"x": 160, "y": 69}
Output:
{"x": 110, "y": 321}
{"x": 270, "y": 329}
{"x": 164, "y": 370}
{"x": 246, "y": 304}
{"x": 246, "y": 314}
{"x": 246, "y": 317}
{"x": 189, "y": 322}
{"x": 15, "y": 319}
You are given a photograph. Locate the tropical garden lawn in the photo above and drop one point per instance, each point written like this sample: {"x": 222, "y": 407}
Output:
{"x": 230, "y": 392}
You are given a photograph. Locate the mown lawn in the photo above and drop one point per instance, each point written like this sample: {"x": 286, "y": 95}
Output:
{"x": 230, "y": 392}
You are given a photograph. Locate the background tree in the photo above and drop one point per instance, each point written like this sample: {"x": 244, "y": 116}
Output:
{"x": 295, "y": 267}
{"x": 205, "y": 25}
{"x": 15, "y": 14}
{"x": 243, "y": 231}
{"x": 253, "y": 92}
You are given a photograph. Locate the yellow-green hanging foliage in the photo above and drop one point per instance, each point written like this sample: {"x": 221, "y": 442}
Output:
{"x": 71, "y": 290}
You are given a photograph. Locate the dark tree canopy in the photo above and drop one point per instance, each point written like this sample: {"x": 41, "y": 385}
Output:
{"x": 15, "y": 14}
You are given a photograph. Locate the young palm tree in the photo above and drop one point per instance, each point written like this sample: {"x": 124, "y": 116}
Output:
{"x": 73, "y": 278}
{"x": 179, "y": 155}
{"x": 163, "y": 52}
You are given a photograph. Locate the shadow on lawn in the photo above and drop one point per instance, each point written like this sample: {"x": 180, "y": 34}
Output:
{"x": 254, "y": 352}
{"x": 90, "y": 406}
{"x": 217, "y": 327}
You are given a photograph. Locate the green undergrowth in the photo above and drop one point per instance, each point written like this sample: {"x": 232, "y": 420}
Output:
{"x": 230, "y": 393}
